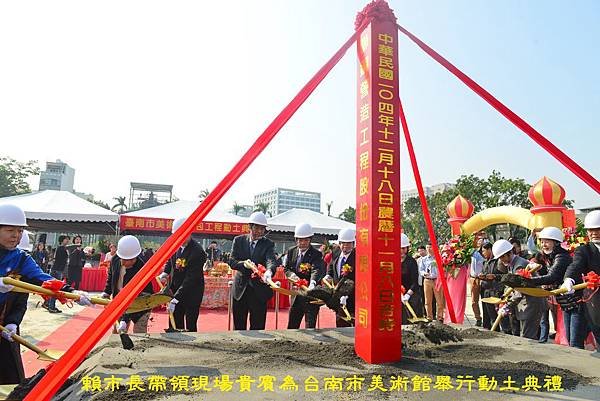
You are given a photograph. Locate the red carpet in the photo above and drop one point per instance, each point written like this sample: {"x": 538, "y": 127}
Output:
{"x": 210, "y": 320}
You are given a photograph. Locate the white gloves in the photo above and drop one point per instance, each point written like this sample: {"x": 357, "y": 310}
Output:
{"x": 105, "y": 295}
{"x": 405, "y": 297}
{"x": 122, "y": 328}
{"x": 84, "y": 298}
{"x": 294, "y": 277}
{"x": 163, "y": 278}
{"x": 312, "y": 285}
{"x": 504, "y": 311}
{"x": 343, "y": 299}
{"x": 267, "y": 276}
{"x": 4, "y": 288}
{"x": 327, "y": 278}
{"x": 568, "y": 285}
{"x": 8, "y": 332}
{"x": 171, "y": 305}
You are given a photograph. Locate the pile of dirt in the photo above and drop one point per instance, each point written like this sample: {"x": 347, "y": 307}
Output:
{"x": 21, "y": 391}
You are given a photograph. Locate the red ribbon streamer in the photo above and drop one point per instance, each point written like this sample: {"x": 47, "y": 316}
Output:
{"x": 258, "y": 272}
{"x": 426, "y": 214}
{"x": 509, "y": 114}
{"x": 593, "y": 280}
{"x": 59, "y": 372}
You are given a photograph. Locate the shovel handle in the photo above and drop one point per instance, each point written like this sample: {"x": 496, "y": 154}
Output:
{"x": 44, "y": 291}
{"x": 562, "y": 290}
{"x": 499, "y": 317}
{"x": 29, "y": 345}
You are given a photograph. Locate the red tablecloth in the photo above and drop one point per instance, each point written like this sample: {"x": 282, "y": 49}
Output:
{"x": 93, "y": 279}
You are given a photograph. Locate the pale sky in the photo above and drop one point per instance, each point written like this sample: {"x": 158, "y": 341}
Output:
{"x": 175, "y": 92}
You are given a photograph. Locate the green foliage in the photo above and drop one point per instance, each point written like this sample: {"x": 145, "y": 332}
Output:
{"x": 120, "y": 206}
{"x": 237, "y": 208}
{"x": 101, "y": 204}
{"x": 262, "y": 207}
{"x": 13, "y": 176}
{"x": 349, "y": 214}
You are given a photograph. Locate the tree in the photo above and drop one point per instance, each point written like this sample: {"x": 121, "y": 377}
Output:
{"x": 262, "y": 207}
{"x": 101, "y": 204}
{"x": 328, "y": 205}
{"x": 237, "y": 208}
{"x": 203, "y": 194}
{"x": 13, "y": 175}
{"x": 349, "y": 214}
{"x": 120, "y": 206}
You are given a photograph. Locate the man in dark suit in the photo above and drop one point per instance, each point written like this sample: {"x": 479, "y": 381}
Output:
{"x": 123, "y": 268}
{"x": 185, "y": 268}
{"x": 304, "y": 262}
{"x": 342, "y": 268}
{"x": 250, "y": 296}
{"x": 586, "y": 259}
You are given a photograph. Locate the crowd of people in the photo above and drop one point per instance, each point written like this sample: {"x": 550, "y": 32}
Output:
{"x": 494, "y": 270}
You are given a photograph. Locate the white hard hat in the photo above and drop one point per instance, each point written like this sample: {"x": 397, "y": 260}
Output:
{"x": 501, "y": 247}
{"x": 12, "y": 215}
{"x": 258, "y": 218}
{"x": 347, "y": 235}
{"x": 128, "y": 247}
{"x": 552, "y": 233}
{"x": 404, "y": 241}
{"x": 25, "y": 244}
{"x": 177, "y": 223}
{"x": 303, "y": 230}
{"x": 592, "y": 220}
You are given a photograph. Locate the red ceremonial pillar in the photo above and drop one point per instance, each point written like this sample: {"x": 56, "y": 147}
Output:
{"x": 378, "y": 314}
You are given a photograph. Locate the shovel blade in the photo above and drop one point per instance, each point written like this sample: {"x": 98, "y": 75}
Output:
{"x": 491, "y": 300}
{"x": 6, "y": 389}
{"x": 126, "y": 341}
{"x": 147, "y": 302}
{"x": 50, "y": 355}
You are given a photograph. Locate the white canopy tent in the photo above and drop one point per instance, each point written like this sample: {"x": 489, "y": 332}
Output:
{"x": 63, "y": 211}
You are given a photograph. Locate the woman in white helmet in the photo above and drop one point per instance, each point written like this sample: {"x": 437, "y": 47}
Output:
{"x": 554, "y": 260}
{"x": 410, "y": 279}
{"x": 123, "y": 268}
{"x": 15, "y": 262}
{"x": 585, "y": 260}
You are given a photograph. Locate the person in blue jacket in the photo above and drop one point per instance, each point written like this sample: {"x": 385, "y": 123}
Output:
{"x": 16, "y": 263}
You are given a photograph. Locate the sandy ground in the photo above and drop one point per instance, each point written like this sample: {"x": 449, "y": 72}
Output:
{"x": 323, "y": 354}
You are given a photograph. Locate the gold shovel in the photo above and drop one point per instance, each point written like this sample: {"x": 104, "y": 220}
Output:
{"x": 36, "y": 289}
{"x": 43, "y": 355}
{"x": 499, "y": 317}
{"x": 6, "y": 389}
{"x": 491, "y": 300}
{"x": 540, "y": 292}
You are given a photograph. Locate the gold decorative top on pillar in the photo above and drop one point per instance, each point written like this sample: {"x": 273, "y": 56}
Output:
{"x": 546, "y": 196}
{"x": 460, "y": 210}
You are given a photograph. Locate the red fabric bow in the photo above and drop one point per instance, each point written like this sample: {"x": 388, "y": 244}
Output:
{"x": 55, "y": 286}
{"x": 258, "y": 272}
{"x": 524, "y": 273}
{"x": 402, "y": 290}
{"x": 301, "y": 283}
{"x": 593, "y": 280}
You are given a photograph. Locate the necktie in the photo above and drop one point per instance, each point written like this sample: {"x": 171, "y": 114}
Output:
{"x": 252, "y": 246}
{"x": 299, "y": 260}
{"x": 342, "y": 263}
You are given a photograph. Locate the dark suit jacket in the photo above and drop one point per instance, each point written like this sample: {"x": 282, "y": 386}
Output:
{"x": 332, "y": 267}
{"x": 61, "y": 257}
{"x": 312, "y": 256}
{"x": 187, "y": 284}
{"x": 585, "y": 260}
{"x": 410, "y": 274}
{"x": 332, "y": 272}
{"x": 113, "y": 276}
{"x": 263, "y": 254}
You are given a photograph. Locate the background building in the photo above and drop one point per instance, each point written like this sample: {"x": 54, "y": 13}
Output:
{"x": 434, "y": 189}
{"x": 58, "y": 176}
{"x": 282, "y": 199}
